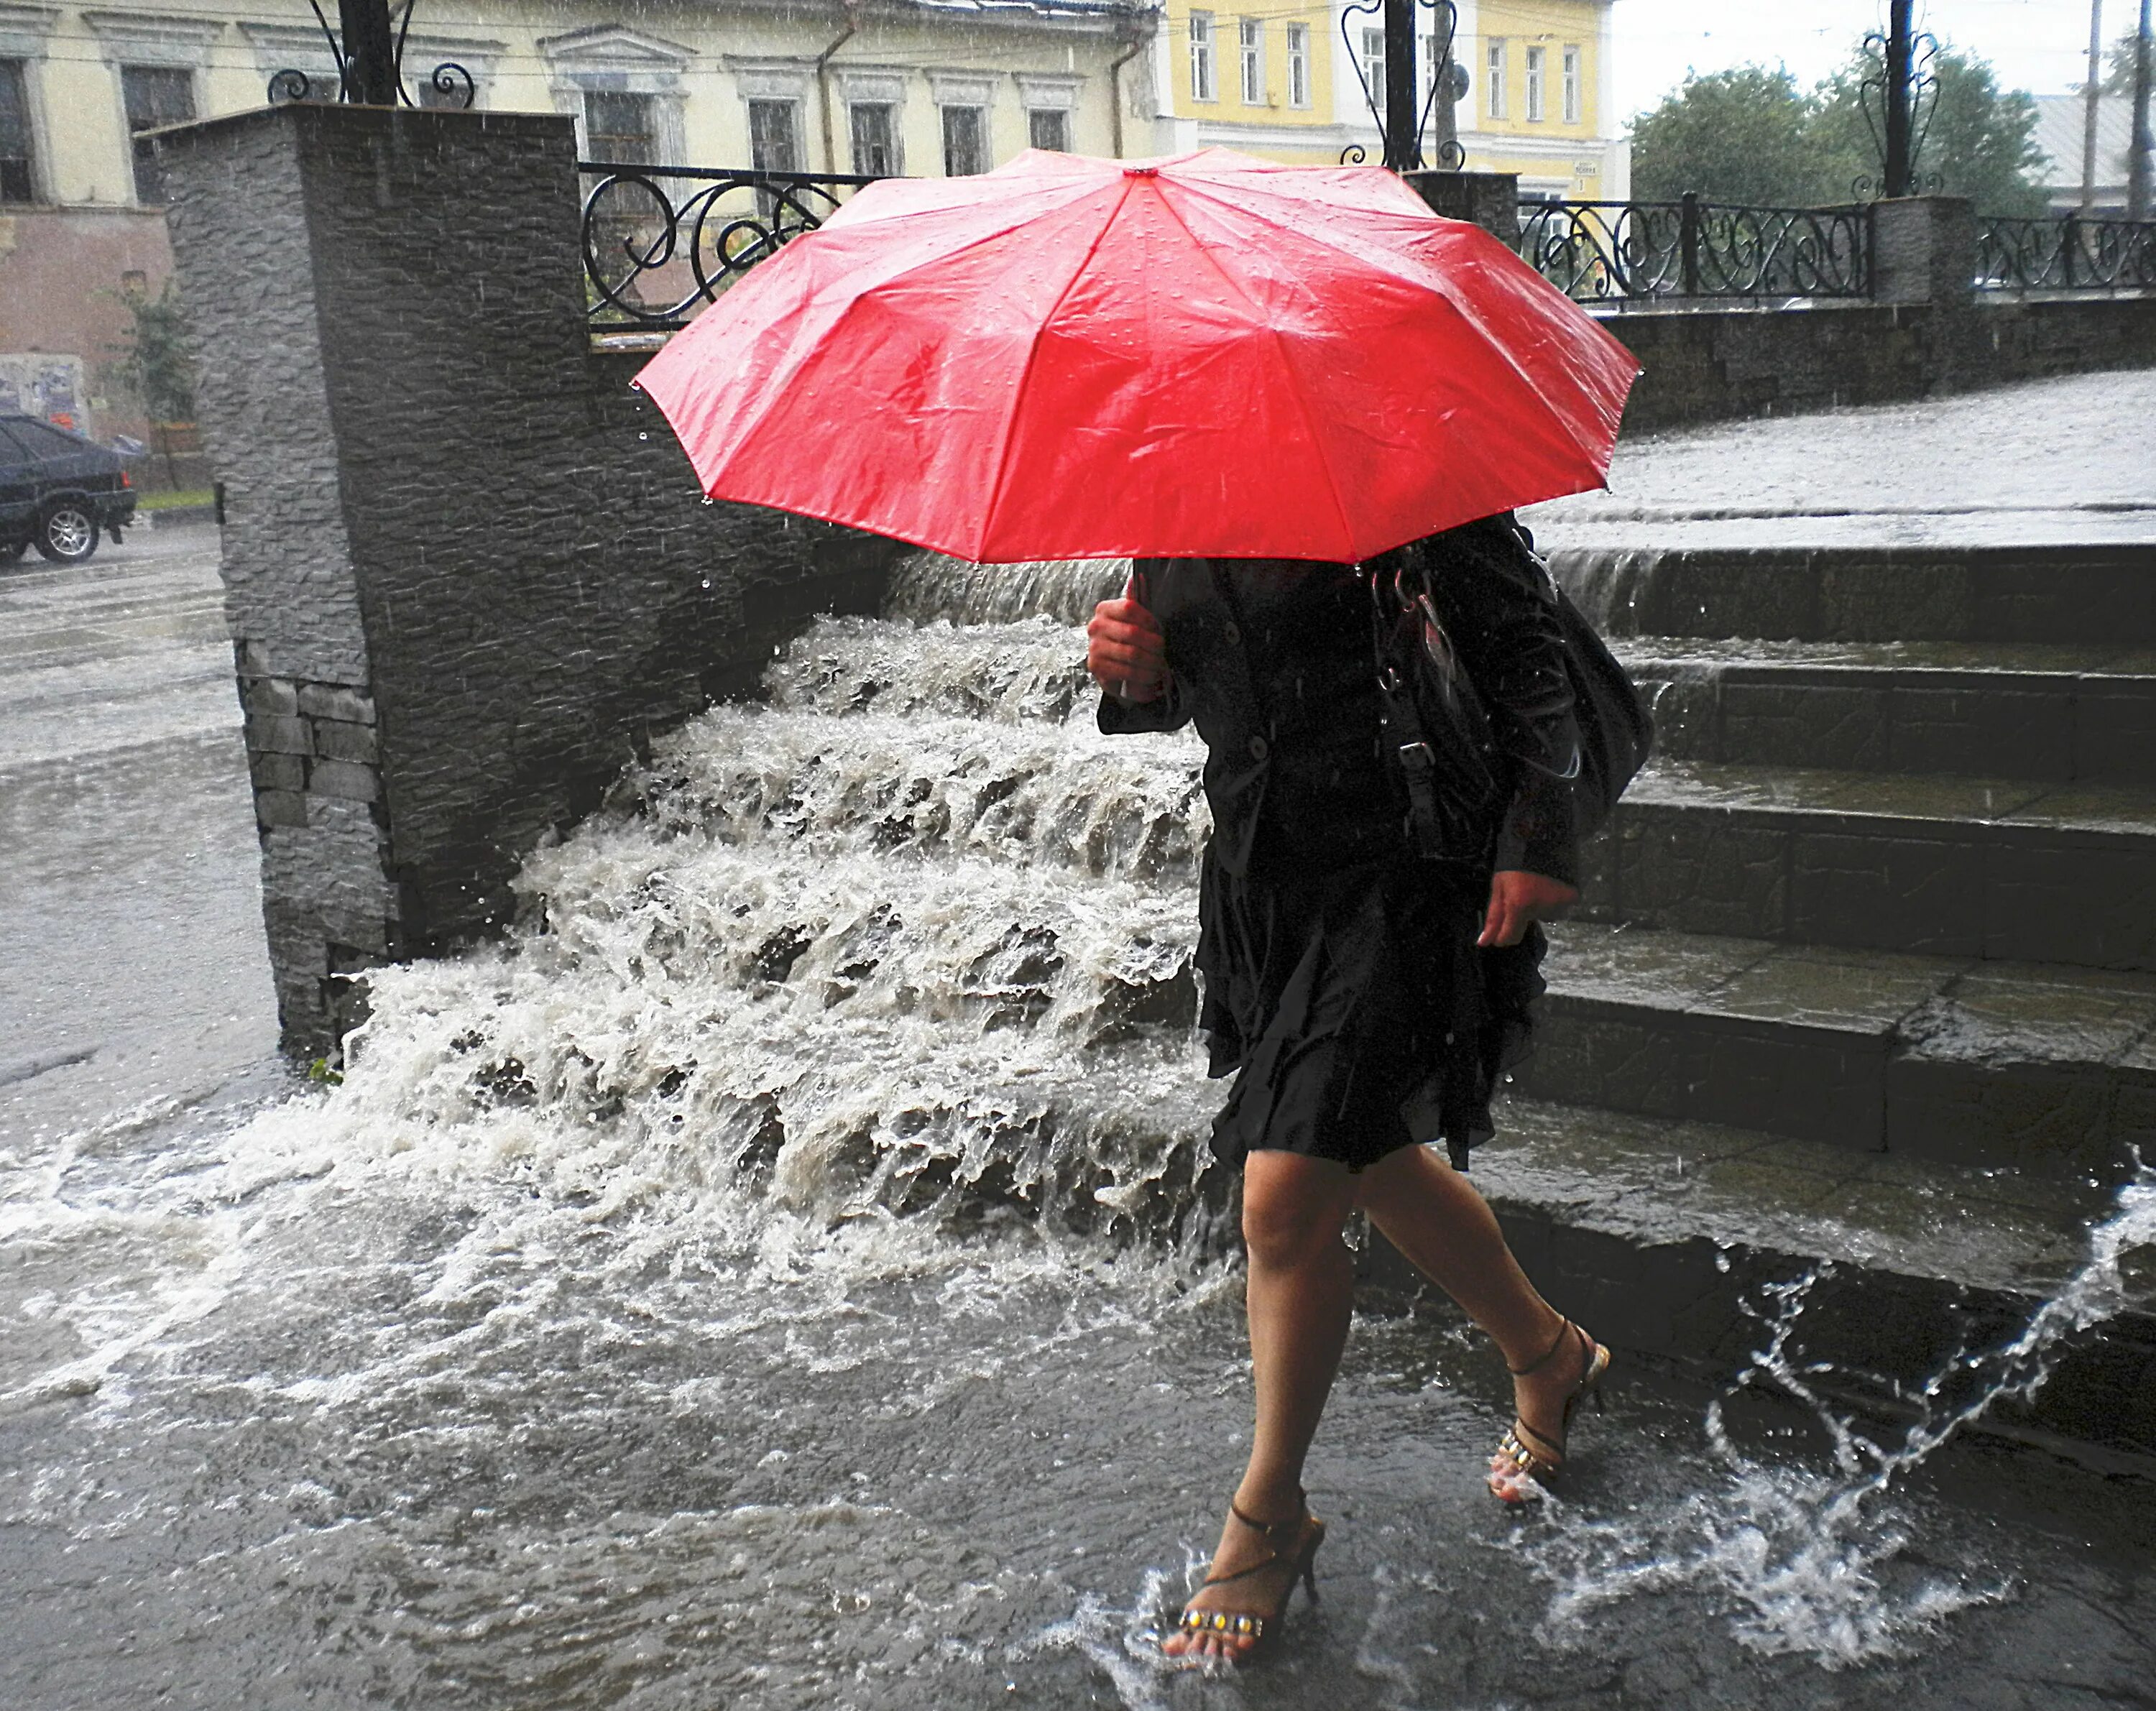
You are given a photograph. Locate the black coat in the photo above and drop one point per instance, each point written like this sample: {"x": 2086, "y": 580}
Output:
{"x": 1274, "y": 661}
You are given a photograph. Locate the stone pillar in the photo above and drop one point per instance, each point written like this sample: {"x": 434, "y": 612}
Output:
{"x": 1923, "y": 250}
{"x": 1491, "y": 200}
{"x": 465, "y": 579}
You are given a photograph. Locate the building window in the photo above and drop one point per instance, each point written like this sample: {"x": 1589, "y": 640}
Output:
{"x": 618, "y": 126}
{"x": 1201, "y": 56}
{"x": 1250, "y": 47}
{"x": 1049, "y": 128}
{"x": 1536, "y": 58}
{"x": 965, "y": 142}
{"x": 875, "y": 138}
{"x": 1493, "y": 78}
{"x": 1298, "y": 65}
{"x": 774, "y": 136}
{"x": 1571, "y": 86}
{"x": 1374, "y": 69}
{"x": 154, "y": 96}
{"x": 18, "y": 176}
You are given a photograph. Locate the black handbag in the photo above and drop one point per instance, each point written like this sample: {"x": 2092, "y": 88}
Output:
{"x": 1455, "y": 775}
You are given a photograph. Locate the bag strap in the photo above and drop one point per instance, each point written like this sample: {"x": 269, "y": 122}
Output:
{"x": 1402, "y": 720}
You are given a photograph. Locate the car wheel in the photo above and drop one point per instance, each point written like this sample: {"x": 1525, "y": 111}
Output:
{"x": 67, "y": 534}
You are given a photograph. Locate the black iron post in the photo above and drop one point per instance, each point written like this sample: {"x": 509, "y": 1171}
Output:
{"x": 1688, "y": 243}
{"x": 2143, "y": 143}
{"x": 370, "y": 53}
{"x": 1900, "y": 52}
{"x": 1403, "y": 147}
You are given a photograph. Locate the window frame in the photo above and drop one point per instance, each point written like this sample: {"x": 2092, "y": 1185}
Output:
{"x": 894, "y": 162}
{"x": 1536, "y": 84}
{"x": 1250, "y": 59}
{"x": 1497, "y": 102}
{"x": 648, "y": 104}
{"x": 146, "y": 175}
{"x": 1204, "y": 73}
{"x": 947, "y": 111}
{"x": 1372, "y": 61}
{"x": 17, "y": 65}
{"x": 1571, "y": 62}
{"x": 1298, "y": 65}
{"x": 1061, "y": 116}
{"x": 796, "y": 141}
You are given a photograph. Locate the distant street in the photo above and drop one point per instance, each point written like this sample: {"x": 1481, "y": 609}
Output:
{"x": 131, "y": 961}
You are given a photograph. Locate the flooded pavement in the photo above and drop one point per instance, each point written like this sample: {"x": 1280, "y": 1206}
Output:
{"x": 783, "y": 1273}
{"x": 132, "y": 966}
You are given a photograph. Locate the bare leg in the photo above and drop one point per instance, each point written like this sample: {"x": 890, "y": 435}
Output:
{"x": 1299, "y": 1288}
{"x": 1447, "y": 1231}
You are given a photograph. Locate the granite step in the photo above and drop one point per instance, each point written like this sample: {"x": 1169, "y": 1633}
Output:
{"x": 2096, "y": 595}
{"x": 2054, "y": 713}
{"x": 2018, "y": 869}
{"x": 2035, "y": 1067}
{"x": 1677, "y": 1239}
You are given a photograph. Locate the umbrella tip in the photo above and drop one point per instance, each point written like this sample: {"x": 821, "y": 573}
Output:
{"x": 1141, "y": 171}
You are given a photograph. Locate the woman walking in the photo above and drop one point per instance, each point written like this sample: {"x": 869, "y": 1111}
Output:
{"x": 1366, "y": 997}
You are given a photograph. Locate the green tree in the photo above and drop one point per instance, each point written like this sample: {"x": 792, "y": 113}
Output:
{"x": 156, "y": 365}
{"x": 1741, "y": 136}
{"x": 1976, "y": 140}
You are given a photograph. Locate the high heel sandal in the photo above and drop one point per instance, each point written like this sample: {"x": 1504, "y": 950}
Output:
{"x": 1517, "y": 1458}
{"x": 1248, "y": 1624}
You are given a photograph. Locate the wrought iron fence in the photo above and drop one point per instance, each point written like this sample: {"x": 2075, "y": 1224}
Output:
{"x": 652, "y": 261}
{"x": 1622, "y": 252}
{"x": 2067, "y": 254}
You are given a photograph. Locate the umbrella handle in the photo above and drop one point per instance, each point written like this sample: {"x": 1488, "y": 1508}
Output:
{"x": 1134, "y": 589}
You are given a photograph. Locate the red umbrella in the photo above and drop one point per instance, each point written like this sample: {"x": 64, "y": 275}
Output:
{"x": 1208, "y": 356}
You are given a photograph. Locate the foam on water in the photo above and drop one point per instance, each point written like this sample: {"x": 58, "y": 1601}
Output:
{"x": 1816, "y": 1561}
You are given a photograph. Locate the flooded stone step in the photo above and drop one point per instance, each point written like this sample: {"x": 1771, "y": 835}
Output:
{"x": 1026, "y": 793}
{"x": 1683, "y": 1238}
{"x": 2034, "y": 1067}
{"x": 2104, "y": 595}
{"x": 1029, "y": 671}
{"x": 1967, "y": 709}
{"x": 1965, "y": 867}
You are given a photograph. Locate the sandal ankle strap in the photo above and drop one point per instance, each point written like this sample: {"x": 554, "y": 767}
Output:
{"x": 1565, "y": 1328}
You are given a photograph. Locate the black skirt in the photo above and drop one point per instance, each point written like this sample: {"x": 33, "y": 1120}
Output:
{"x": 1355, "y": 1010}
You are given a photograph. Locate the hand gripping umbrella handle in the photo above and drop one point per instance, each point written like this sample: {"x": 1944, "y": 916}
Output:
{"x": 1134, "y": 589}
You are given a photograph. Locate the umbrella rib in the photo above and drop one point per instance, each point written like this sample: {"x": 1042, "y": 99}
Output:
{"x": 1032, "y": 351}
{"x": 1295, "y": 380}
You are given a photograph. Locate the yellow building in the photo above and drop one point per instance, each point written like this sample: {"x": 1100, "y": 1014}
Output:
{"x": 922, "y": 87}
{"x": 1250, "y": 74}
{"x": 1289, "y": 83}
{"x": 1541, "y": 97}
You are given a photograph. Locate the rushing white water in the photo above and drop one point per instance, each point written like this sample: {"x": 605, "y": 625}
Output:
{"x": 1811, "y": 1560}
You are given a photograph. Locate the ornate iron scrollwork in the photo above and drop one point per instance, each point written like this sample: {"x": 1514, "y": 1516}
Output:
{"x": 1631, "y": 251}
{"x": 2068, "y": 254}
{"x": 1450, "y": 156}
{"x": 637, "y": 238}
{"x": 1872, "y": 92}
{"x": 456, "y": 86}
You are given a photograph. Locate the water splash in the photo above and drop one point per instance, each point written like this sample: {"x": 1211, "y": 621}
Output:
{"x": 1818, "y": 1562}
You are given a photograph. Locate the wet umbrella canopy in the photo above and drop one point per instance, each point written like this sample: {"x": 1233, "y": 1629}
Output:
{"x": 1207, "y": 355}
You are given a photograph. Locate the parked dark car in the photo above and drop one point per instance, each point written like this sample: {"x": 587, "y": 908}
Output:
{"x": 59, "y": 492}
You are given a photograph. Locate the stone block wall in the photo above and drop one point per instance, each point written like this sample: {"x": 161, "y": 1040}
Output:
{"x": 1708, "y": 365}
{"x": 467, "y": 572}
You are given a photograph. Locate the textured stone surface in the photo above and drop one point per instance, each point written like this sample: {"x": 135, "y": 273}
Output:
{"x": 468, "y": 574}
{"x": 1722, "y": 364}
{"x": 2043, "y": 1069}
